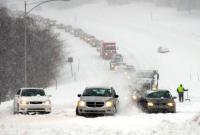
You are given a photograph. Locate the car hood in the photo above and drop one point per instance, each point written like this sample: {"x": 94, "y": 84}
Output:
{"x": 159, "y": 100}
{"x": 35, "y": 98}
{"x": 95, "y": 99}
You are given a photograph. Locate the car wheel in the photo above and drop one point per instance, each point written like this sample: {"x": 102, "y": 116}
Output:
{"x": 77, "y": 113}
{"x": 16, "y": 110}
{"x": 174, "y": 111}
{"x": 115, "y": 109}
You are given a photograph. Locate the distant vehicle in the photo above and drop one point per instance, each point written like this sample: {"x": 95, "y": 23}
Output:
{"x": 130, "y": 68}
{"x": 88, "y": 38}
{"x": 52, "y": 23}
{"x": 147, "y": 78}
{"x": 31, "y": 100}
{"x": 117, "y": 60}
{"x": 117, "y": 55}
{"x": 155, "y": 101}
{"x": 107, "y": 50}
{"x": 60, "y": 26}
{"x": 162, "y": 49}
{"x": 68, "y": 28}
{"x": 97, "y": 101}
{"x": 99, "y": 43}
{"x": 83, "y": 35}
{"x": 94, "y": 42}
{"x": 78, "y": 32}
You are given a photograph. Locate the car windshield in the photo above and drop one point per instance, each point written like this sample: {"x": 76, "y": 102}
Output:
{"x": 159, "y": 94}
{"x": 116, "y": 59}
{"x": 98, "y": 92}
{"x": 33, "y": 92}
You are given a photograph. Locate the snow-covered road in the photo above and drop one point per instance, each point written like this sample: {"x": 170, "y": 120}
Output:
{"x": 138, "y": 36}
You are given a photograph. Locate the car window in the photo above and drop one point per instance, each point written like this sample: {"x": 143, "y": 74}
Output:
{"x": 33, "y": 92}
{"x": 98, "y": 92}
{"x": 159, "y": 94}
{"x": 117, "y": 59}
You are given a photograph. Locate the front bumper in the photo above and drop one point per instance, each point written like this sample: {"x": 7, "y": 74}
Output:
{"x": 34, "y": 108}
{"x": 161, "y": 108}
{"x": 96, "y": 110}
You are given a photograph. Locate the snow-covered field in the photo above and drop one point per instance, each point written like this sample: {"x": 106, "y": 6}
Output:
{"x": 138, "y": 29}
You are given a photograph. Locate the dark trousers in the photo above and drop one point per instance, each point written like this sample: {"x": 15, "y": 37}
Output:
{"x": 181, "y": 97}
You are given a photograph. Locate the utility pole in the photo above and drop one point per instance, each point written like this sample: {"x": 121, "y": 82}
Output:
{"x": 25, "y": 32}
{"x": 25, "y": 45}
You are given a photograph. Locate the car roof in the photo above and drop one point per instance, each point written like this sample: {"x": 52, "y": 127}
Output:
{"x": 31, "y": 88}
{"x": 151, "y": 91}
{"x": 104, "y": 87}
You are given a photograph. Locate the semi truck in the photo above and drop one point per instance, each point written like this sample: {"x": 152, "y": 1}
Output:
{"x": 107, "y": 50}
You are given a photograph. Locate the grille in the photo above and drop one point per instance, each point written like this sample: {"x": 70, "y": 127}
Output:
{"x": 95, "y": 111}
{"x": 36, "y": 109}
{"x": 95, "y": 104}
{"x": 160, "y": 104}
{"x": 35, "y": 102}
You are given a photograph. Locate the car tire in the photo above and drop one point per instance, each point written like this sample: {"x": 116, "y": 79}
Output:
{"x": 174, "y": 111}
{"x": 16, "y": 110}
{"x": 77, "y": 113}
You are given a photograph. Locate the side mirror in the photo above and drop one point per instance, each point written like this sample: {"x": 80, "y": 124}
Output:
{"x": 174, "y": 97}
{"x": 116, "y": 96}
{"x": 79, "y": 95}
{"x": 142, "y": 99}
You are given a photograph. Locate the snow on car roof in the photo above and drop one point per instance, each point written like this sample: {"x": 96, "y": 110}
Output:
{"x": 31, "y": 88}
{"x": 151, "y": 91}
{"x": 104, "y": 87}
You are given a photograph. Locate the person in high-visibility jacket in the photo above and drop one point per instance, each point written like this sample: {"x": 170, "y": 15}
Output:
{"x": 180, "y": 91}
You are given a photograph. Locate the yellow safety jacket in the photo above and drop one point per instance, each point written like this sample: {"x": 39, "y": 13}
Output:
{"x": 180, "y": 89}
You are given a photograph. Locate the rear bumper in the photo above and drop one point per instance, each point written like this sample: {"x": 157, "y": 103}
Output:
{"x": 34, "y": 108}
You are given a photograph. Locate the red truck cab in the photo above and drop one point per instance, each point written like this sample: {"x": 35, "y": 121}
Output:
{"x": 107, "y": 50}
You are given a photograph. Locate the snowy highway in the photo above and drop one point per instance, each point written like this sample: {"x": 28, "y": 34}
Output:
{"x": 138, "y": 36}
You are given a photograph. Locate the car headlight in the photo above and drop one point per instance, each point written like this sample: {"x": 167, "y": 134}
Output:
{"x": 23, "y": 102}
{"x": 109, "y": 103}
{"x": 150, "y": 104}
{"x": 48, "y": 102}
{"x": 170, "y": 104}
{"x": 134, "y": 97}
{"x": 81, "y": 103}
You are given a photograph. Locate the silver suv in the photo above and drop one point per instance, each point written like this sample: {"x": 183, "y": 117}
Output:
{"x": 31, "y": 100}
{"x": 116, "y": 61}
{"x": 97, "y": 101}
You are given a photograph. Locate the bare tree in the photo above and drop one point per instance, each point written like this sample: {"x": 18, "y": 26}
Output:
{"x": 44, "y": 54}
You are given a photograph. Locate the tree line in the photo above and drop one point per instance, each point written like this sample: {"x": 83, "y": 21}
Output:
{"x": 44, "y": 54}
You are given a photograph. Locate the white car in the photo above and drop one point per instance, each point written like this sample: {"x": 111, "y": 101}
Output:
{"x": 162, "y": 49}
{"x": 31, "y": 100}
